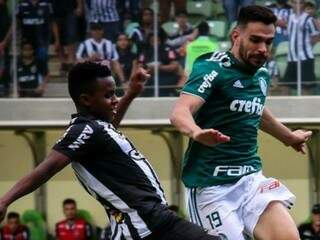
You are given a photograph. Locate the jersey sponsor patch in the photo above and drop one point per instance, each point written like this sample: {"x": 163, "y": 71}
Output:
{"x": 84, "y": 135}
{"x": 252, "y": 107}
{"x": 226, "y": 170}
{"x": 207, "y": 81}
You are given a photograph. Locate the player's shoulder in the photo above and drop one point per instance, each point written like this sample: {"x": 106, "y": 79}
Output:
{"x": 217, "y": 60}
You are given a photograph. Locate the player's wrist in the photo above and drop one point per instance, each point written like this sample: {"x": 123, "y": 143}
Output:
{"x": 288, "y": 139}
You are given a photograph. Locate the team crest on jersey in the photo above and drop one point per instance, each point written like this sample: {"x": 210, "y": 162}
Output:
{"x": 263, "y": 85}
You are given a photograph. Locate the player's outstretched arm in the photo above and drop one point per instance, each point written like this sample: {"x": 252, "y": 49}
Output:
{"x": 54, "y": 162}
{"x": 295, "y": 139}
{"x": 135, "y": 87}
{"x": 182, "y": 118}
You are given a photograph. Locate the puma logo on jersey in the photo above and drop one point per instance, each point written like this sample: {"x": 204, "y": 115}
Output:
{"x": 252, "y": 107}
{"x": 238, "y": 84}
{"x": 207, "y": 80}
{"x": 84, "y": 135}
{"x": 233, "y": 170}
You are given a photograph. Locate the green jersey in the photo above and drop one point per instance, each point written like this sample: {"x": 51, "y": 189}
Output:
{"x": 234, "y": 101}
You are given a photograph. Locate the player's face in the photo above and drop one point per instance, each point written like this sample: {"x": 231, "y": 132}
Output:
{"x": 147, "y": 16}
{"x": 122, "y": 41}
{"x": 103, "y": 102}
{"x": 253, "y": 43}
{"x": 70, "y": 211}
{"x": 13, "y": 224}
{"x": 97, "y": 34}
{"x": 316, "y": 219}
{"x": 27, "y": 51}
{"x": 182, "y": 20}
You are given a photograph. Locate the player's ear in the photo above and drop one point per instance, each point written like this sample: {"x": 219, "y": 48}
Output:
{"x": 235, "y": 34}
{"x": 85, "y": 100}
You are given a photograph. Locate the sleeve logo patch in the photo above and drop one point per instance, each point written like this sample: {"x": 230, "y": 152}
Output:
{"x": 207, "y": 81}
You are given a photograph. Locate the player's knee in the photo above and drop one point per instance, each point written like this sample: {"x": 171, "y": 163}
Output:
{"x": 290, "y": 235}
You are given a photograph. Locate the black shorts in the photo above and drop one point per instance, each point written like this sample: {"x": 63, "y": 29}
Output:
{"x": 180, "y": 229}
{"x": 67, "y": 29}
{"x": 308, "y": 77}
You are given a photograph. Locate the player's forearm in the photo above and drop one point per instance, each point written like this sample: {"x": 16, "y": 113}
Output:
{"x": 41, "y": 174}
{"x": 122, "y": 108}
{"x": 182, "y": 119}
{"x": 172, "y": 67}
{"x": 275, "y": 128}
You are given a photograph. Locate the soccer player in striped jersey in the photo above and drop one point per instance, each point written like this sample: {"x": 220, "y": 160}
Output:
{"x": 107, "y": 164}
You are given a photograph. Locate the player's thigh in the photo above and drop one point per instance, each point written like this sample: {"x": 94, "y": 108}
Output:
{"x": 216, "y": 217}
{"x": 275, "y": 223}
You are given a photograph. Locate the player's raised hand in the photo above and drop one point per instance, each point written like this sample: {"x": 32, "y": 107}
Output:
{"x": 210, "y": 137}
{"x": 299, "y": 139}
{"x": 137, "y": 81}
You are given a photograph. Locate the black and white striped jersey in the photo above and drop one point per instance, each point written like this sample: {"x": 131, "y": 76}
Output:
{"x": 113, "y": 171}
{"x": 104, "y": 49}
{"x": 300, "y": 29}
{"x": 102, "y": 10}
{"x": 282, "y": 13}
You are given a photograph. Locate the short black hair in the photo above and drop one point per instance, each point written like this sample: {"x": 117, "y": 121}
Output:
{"x": 181, "y": 13}
{"x": 316, "y": 208}
{"x": 255, "y": 13}
{"x": 69, "y": 201}
{"x": 203, "y": 28}
{"x": 142, "y": 12}
{"x": 96, "y": 26}
{"x": 82, "y": 78}
{"x": 13, "y": 215}
{"x": 26, "y": 42}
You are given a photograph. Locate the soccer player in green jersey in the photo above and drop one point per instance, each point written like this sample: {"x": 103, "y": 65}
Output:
{"x": 221, "y": 109}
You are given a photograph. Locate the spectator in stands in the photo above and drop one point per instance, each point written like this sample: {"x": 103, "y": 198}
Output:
{"x": 32, "y": 73}
{"x": 13, "y": 229}
{"x": 182, "y": 36}
{"x": 167, "y": 65}
{"x": 36, "y": 18}
{"x": 128, "y": 10}
{"x": 5, "y": 32}
{"x": 67, "y": 13}
{"x": 273, "y": 70}
{"x": 140, "y": 33}
{"x": 311, "y": 230}
{"x": 310, "y": 8}
{"x": 282, "y": 10}
{"x": 72, "y": 228}
{"x": 232, "y": 8}
{"x": 201, "y": 45}
{"x": 127, "y": 59}
{"x": 105, "y": 12}
{"x": 165, "y": 8}
{"x": 303, "y": 34}
{"x": 98, "y": 48}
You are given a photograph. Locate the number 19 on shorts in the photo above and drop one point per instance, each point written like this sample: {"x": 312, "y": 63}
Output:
{"x": 214, "y": 219}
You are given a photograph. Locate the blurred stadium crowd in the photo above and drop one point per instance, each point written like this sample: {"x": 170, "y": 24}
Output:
{"x": 79, "y": 225}
{"x": 51, "y": 36}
